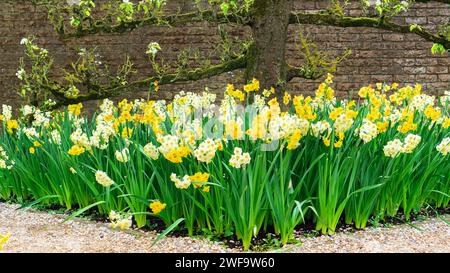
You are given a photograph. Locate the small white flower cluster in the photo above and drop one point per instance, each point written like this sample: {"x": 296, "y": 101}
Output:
{"x": 28, "y": 110}
{"x": 419, "y": 102}
{"x": 104, "y": 127}
{"x": 122, "y": 221}
{"x": 81, "y": 139}
{"x": 95, "y": 140}
{"x": 30, "y": 132}
{"x": 159, "y": 108}
{"x": 259, "y": 102}
{"x": 20, "y": 74}
{"x": 6, "y": 112}
{"x": 107, "y": 107}
{"x": 410, "y": 143}
{"x": 303, "y": 125}
{"x": 55, "y": 137}
{"x": 320, "y": 103}
{"x": 395, "y": 116}
{"x": 239, "y": 159}
{"x": 445, "y": 99}
{"x": 285, "y": 125}
{"x": 169, "y": 143}
{"x": 185, "y": 103}
{"x": 444, "y": 146}
{"x": 188, "y": 131}
{"x": 103, "y": 179}
{"x": 206, "y": 151}
{"x": 151, "y": 151}
{"x": 342, "y": 123}
{"x": 41, "y": 118}
{"x": 153, "y": 48}
{"x": 395, "y": 147}
{"x": 78, "y": 122}
{"x": 368, "y": 131}
{"x": 100, "y": 136}
{"x": 5, "y": 163}
{"x": 180, "y": 184}
{"x": 123, "y": 156}
{"x": 137, "y": 104}
{"x": 24, "y": 41}
{"x": 320, "y": 127}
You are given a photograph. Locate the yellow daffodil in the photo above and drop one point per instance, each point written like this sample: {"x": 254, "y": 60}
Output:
{"x": 76, "y": 150}
{"x": 157, "y": 207}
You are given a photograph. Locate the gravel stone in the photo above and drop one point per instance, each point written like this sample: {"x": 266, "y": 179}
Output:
{"x": 37, "y": 231}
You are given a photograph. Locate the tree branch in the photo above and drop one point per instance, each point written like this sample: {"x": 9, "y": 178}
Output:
{"x": 57, "y": 89}
{"x": 327, "y": 19}
{"x": 301, "y": 72}
{"x": 170, "y": 20}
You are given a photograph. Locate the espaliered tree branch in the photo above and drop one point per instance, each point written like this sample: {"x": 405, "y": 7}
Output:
{"x": 328, "y": 19}
{"x": 57, "y": 89}
{"x": 83, "y": 22}
{"x": 168, "y": 20}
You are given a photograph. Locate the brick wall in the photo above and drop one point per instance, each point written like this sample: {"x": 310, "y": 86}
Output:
{"x": 377, "y": 55}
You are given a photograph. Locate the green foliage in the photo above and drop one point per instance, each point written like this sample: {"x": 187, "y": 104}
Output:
{"x": 316, "y": 61}
{"x": 310, "y": 182}
{"x": 41, "y": 64}
{"x": 86, "y": 75}
{"x": 386, "y": 8}
{"x": 231, "y": 6}
{"x": 438, "y": 49}
{"x": 81, "y": 12}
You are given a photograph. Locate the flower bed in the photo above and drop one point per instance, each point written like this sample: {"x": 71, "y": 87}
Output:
{"x": 238, "y": 168}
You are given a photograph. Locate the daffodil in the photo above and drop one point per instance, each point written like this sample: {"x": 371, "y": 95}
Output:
{"x": 76, "y": 150}
{"x": 103, "y": 179}
{"x": 157, "y": 207}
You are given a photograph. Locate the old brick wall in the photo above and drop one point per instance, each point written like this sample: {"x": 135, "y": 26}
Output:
{"x": 377, "y": 55}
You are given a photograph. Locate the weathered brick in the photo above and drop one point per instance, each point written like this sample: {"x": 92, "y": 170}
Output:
{"x": 437, "y": 70}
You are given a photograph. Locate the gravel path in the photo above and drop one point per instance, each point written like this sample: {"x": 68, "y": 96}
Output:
{"x": 35, "y": 231}
{"x": 431, "y": 235}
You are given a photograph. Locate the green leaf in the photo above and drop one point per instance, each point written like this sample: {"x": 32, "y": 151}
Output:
{"x": 29, "y": 205}
{"x": 414, "y": 27}
{"x": 80, "y": 211}
{"x": 167, "y": 230}
{"x": 438, "y": 48}
{"x": 225, "y": 7}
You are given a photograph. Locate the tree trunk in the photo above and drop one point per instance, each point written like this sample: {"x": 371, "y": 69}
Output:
{"x": 267, "y": 60}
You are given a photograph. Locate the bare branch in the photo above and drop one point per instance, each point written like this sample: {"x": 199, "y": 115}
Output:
{"x": 327, "y": 19}
{"x": 57, "y": 89}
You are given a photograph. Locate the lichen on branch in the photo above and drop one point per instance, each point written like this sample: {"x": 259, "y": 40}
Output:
{"x": 84, "y": 18}
{"x": 329, "y": 19}
{"x": 90, "y": 79}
